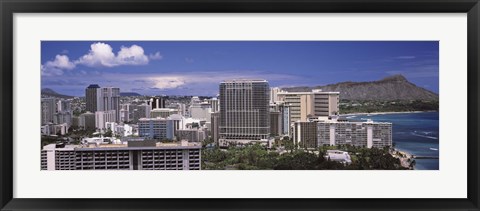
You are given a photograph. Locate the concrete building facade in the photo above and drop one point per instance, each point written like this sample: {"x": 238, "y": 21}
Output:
{"x": 162, "y": 112}
{"x": 305, "y": 105}
{"x": 190, "y": 135}
{"x": 364, "y": 134}
{"x": 93, "y": 98}
{"x": 87, "y": 121}
{"x": 48, "y": 110}
{"x": 102, "y": 117}
{"x": 305, "y": 134}
{"x": 156, "y": 102}
{"x": 156, "y": 128}
{"x": 275, "y": 123}
{"x": 143, "y": 155}
{"x": 244, "y": 111}
{"x": 110, "y": 97}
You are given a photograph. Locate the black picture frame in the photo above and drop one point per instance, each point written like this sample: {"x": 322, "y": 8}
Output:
{"x": 9, "y": 7}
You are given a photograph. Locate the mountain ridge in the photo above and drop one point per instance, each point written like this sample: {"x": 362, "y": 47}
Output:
{"x": 51, "y": 93}
{"x": 395, "y": 87}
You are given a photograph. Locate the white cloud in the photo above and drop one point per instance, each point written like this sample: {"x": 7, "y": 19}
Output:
{"x": 101, "y": 55}
{"x": 133, "y": 55}
{"x": 167, "y": 82}
{"x": 156, "y": 56}
{"x": 195, "y": 79}
{"x": 57, "y": 66}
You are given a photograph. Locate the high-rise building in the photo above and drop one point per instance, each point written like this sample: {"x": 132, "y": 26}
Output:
{"x": 125, "y": 112}
{"x": 181, "y": 108}
{"x": 156, "y": 102}
{"x": 195, "y": 100}
{"x": 156, "y": 128}
{"x": 111, "y": 100}
{"x": 285, "y": 118}
{"x": 142, "y": 111}
{"x": 64, "y": 106}
{"x": 366, "y": 134}
{"x": 244, "y": 112}
{"x": 305, "y": 105}
{"x": 214, "y": 122}
{"x": 87, "y": 121}
{"x": 75, "y": 121}
{"x": 93, "y": 98}
{"x": 274, "y": 94}
{"x": 102, "y": 117}
{"x": 201, "y": 111}
{"x": 305, "y": 134}
{"x": 48, "y": 110}
{"x": 275, "y": 123}
{"x": 63, "y": 117}
{"x": 214, "y": 104}
{"x": 136, "y": 155}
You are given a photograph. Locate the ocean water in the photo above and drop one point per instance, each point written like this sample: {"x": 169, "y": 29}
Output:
{"x": 415, "y": 133}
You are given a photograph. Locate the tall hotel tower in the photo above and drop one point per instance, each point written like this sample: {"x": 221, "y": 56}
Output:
{"x": 244, "y": 112}
{"x": 103, "y": 99}
{"x": 92, "y": 95}
{"x": 111, "y": 100}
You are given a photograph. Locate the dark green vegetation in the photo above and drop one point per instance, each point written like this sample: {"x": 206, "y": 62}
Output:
{"x": 256, "y": 157}
{"x": 369, "y": 106}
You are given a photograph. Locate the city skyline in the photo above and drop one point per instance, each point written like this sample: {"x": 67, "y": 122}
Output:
{"x": 197, "y": 67}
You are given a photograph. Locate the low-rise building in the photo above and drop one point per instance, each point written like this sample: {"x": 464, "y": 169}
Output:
{"x": 102, "y": 117}
{"x": 338, "y": 156}
{"x": 365, "y": 134}
{"x": 191, "y": 135}
{"x": 162, "y": 112}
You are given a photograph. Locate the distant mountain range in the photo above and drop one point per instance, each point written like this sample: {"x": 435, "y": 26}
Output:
{"x": 129, "y": 94}
{"x": 395, "y": 87}
{"x": 46, "y": 92}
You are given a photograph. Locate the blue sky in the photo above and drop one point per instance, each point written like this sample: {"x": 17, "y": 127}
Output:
{"x": 196, "y": 67}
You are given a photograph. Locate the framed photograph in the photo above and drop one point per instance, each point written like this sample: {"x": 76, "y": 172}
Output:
{"x": 249, "y": 105}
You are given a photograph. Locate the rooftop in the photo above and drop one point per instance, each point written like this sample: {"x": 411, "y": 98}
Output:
{"x": 307, "y": 93}
{"x": 243, "y": 80}
{"x": 159, "y": 145}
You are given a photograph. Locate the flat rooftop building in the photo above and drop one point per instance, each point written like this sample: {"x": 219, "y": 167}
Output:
{"x": 368, "y": 134}
{"x": 135, "y": 155}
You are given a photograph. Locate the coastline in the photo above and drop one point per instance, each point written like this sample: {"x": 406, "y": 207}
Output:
{"x": 386, "y": 112}
{"x": 406, "y": 158}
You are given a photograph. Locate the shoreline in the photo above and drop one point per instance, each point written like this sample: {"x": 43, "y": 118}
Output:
{"x": 386, "y": 112}
{"x": 405, "y": 158}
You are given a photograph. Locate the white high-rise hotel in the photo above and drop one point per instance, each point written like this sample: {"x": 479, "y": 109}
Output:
{"x": 244, "y": 111}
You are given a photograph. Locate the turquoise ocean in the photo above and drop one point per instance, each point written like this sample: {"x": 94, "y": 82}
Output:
{"x": 415, "y": 133}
